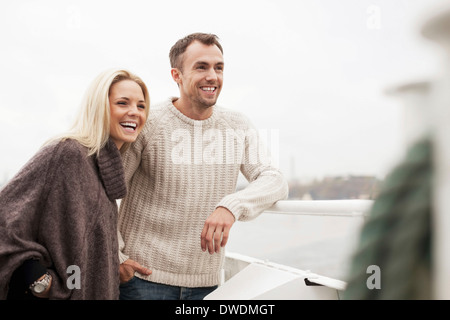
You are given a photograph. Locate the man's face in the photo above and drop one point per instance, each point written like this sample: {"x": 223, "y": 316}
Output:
{"x": 202, "y": 75}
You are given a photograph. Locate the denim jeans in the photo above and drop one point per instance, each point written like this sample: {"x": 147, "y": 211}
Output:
{"x": 139, "y": 289}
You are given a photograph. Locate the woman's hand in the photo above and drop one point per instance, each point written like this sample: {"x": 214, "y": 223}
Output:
{"x": 46, "y": 293}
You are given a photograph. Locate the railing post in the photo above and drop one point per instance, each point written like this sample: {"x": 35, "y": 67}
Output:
{"x": 438, "y": 29}
{"x": 415, "y": 100}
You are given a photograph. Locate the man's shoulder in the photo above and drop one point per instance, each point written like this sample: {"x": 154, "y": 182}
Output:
{"x": 156, "y": 114}
{"x": 161, "y": 109}
{"x": 232, "y": 117}
{"x": 158, "y": 107}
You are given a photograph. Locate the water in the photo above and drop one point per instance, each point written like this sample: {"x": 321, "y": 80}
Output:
{"x": 322, "y": 244}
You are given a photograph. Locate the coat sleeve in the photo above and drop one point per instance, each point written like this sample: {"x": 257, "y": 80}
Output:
{"x": 70, "y": 221}
{"x": 267, "y": 185}
{"x": 42, "y": 216}
{"x": 131, "y": 161}
{"x": 21, "y": 203}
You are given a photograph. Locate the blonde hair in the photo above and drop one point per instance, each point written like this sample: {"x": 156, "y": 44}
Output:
{"x": 92, "y": 126}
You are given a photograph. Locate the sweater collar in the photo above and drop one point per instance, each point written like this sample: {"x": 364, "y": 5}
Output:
{"x": 186, "y": 119}
{"x": 112, "y": 174}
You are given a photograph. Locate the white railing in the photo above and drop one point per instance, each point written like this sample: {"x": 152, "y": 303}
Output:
{"x": 347, "y": 208}
{"x": 301, "y": 212}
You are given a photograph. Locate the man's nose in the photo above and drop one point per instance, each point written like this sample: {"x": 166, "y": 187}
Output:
{"x": 212, "y": 75}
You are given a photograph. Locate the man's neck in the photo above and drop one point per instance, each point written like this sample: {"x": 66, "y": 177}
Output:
{"x": 190, "y": 110}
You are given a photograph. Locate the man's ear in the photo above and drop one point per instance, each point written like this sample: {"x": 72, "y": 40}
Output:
{"x": 176, "y": 75}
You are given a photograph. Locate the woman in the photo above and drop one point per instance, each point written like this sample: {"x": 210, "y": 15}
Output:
{"x": 58, "y": 215}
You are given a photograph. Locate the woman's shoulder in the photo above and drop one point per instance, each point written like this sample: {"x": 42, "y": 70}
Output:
{"x": 47, "y": 160}
{"x": 61, "y": 151}
{"x": 66, "y": 147}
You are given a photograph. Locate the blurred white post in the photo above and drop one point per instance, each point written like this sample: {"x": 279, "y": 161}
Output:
{"x": 415, "y": 100}
{"x": 438, "y": 29}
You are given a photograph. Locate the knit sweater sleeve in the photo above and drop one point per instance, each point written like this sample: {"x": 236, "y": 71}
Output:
{"x": 267, "y": 185}
{"x": 131, "y": 161}
{"x": 132, "y": 157}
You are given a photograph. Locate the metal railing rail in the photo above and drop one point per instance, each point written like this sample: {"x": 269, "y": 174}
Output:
{"x": 347, "y": 208}
{"x": 351, "y": 208}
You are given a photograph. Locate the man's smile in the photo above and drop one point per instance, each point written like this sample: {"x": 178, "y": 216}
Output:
{"x": 209, "y": 89}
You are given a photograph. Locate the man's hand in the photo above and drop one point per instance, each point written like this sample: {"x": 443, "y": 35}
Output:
{"x": 129, "y": 267}
{"x": 216, "y": 230}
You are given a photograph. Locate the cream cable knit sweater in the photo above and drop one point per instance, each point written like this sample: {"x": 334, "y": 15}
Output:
{"x": 178, "y": 171}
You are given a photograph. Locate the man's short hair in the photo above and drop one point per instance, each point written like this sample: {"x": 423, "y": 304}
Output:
{"x": 179, "y": 48}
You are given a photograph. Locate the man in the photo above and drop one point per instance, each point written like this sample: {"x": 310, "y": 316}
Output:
{"x": 181, "y": 175}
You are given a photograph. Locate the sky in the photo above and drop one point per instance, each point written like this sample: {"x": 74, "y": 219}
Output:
{"x": 311, "y": 74}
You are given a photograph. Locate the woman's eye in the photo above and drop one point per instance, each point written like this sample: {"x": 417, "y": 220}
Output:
{"x": 142, "y": 106}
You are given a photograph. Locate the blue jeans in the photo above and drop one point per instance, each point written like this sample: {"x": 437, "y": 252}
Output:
{"x": 139, "y": 289}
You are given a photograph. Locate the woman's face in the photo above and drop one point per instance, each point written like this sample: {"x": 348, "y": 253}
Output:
{"x": 127, "y": 107}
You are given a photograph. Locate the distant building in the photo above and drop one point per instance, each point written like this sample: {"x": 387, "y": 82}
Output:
{"x": 336, "y": 188}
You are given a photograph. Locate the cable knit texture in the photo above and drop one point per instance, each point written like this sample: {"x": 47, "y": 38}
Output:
{"x": 178, "y": 171}
{"x": 61, "y": 209}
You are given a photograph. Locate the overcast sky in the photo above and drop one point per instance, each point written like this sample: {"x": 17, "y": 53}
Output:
{"x": 311, "y": 73}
